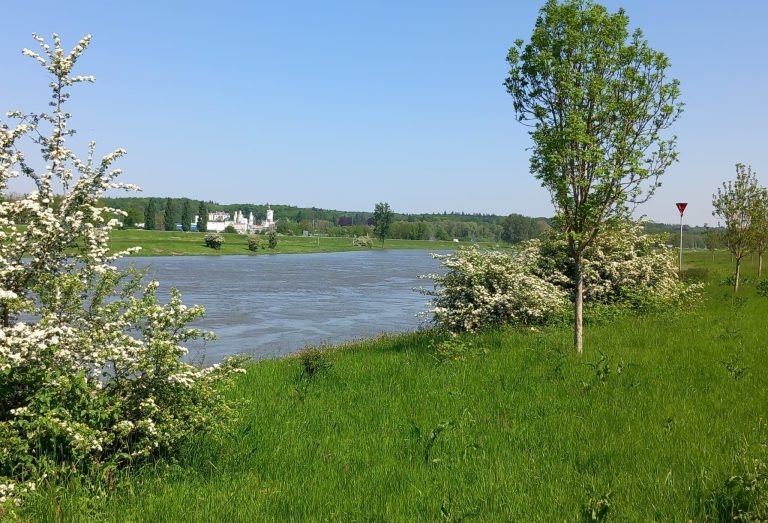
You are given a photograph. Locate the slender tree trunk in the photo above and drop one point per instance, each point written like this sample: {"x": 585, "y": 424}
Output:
{"x": 738, "y": 270}
{"x": 578, "y": 305}
{"x": 760, "y": 265}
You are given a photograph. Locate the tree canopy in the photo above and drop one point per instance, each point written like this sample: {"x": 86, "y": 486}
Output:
{"x": 738, "y": 203}
{"x": 382, "y": 220}
{"x": 597, "y": 99}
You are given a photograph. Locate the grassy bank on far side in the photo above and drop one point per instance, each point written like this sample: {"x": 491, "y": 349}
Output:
{"x": 173, "y": 243}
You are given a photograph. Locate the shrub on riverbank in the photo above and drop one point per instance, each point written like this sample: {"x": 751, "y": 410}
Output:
{"x": 486, "y": 288}
{"x": 362, "y": 241}
{"x": 91, "y": 370}
{"x": 254, "y": 243}
{"x": 215, "y": 241}
{"x": 530, "y": 284}
{"x": 272, "y": 239}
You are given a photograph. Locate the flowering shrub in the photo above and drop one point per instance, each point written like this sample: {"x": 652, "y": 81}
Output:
{"x": 483, "y": 288}
{"x": 531, "y": 284}
{"x": 625, "y": 267}
{"x": 254, "y": 242}
{"x": 362, "y": 241}
{"x": 91, "y": 374}
{"x": 215, "y": 241}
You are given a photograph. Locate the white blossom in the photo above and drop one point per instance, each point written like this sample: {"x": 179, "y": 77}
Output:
{"x": 78, "y": 335}
{"x": 529, "y": 284}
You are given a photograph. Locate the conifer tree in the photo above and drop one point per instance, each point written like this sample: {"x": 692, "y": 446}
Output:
{"x": 202, "y": 217}
{"x": 150, "y": 212}
{"x": 168, "y": 221}
{"x": 186, "y": 216}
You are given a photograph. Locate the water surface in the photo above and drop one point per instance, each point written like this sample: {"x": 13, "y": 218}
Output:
{"x": 270, "y": 305}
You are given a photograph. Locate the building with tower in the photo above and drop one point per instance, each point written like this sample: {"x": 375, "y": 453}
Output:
{"x": 218, "y": 221}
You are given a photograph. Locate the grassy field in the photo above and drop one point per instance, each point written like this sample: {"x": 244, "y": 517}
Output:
{"x": 169, "y": 243}
{"x": 651, "y": 422}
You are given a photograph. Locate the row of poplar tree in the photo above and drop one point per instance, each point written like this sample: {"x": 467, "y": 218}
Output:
{"x": 169, "y": 222}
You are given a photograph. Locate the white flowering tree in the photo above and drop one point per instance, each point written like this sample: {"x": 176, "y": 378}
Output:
{"x": 91, "y": 370}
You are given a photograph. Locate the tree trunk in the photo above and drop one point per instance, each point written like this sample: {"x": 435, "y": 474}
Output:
{"x": 578, "y": 305}
{"x": 738, "y": 270}
{"x": 760, "y": 265}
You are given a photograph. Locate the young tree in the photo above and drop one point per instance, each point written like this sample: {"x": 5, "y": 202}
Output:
{"x": 169, "y": 224}
{"x": 737, "y": 204}
{"x": 761, "y": 229}
{"x": 382, "y": 220}
{"x": 202, "y": 217}
{"x": 186, "y": 216}
{"x": 597, "y": 99}
{"x": 150, "y": 213}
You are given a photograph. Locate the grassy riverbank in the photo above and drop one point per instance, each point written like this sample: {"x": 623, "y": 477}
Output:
{"x": 171, "y": 243}
{"x": 519, "y": 429}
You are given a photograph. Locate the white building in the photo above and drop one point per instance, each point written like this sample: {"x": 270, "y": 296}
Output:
{"x": 218, "y": 221}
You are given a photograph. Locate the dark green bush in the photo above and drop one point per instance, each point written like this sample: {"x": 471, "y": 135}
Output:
{"x": 254, "y": 242}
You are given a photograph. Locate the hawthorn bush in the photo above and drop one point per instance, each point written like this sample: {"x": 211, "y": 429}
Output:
{"x": 254, "y": 242}
{"x": 214, "y": 240}
{"x": 92, "y": 375}
{"x": 486, "y": 288}
{"x": 531, "y": 283}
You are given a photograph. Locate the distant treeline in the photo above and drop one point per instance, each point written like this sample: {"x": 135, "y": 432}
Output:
{"x": 295, "y": 220}
{"x": 439, "y": 226}
{"x": 693, "y": 237}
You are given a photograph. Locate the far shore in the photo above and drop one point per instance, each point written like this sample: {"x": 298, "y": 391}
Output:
{"x": 178, "y": 243}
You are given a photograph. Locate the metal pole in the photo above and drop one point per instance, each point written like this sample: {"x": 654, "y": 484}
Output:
{"x": 680, "y": 268}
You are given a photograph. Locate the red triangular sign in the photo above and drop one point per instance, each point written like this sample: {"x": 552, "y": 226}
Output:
{"x": 681, "y": 207}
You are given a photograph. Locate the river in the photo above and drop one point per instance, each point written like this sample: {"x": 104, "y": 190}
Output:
{"x": 271, "y": 305}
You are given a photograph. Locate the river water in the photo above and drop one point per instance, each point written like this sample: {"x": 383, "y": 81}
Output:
{"x": 270, "y": 305}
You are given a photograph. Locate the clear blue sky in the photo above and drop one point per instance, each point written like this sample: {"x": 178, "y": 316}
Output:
{"x": 343, "y": 104}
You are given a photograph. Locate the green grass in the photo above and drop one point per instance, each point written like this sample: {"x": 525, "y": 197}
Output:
{"x": 521, "y": 431}
{"x": 170, "y": 243}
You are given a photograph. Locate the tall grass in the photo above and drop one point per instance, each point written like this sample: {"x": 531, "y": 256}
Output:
{"x": 648, "y": 425}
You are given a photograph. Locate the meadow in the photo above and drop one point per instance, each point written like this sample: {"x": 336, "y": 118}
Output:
{"x": 173, "y": 243}
{"x": 662, "y": 419}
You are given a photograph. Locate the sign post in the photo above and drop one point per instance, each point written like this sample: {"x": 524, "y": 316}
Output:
{"x": 681, "y": 207}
